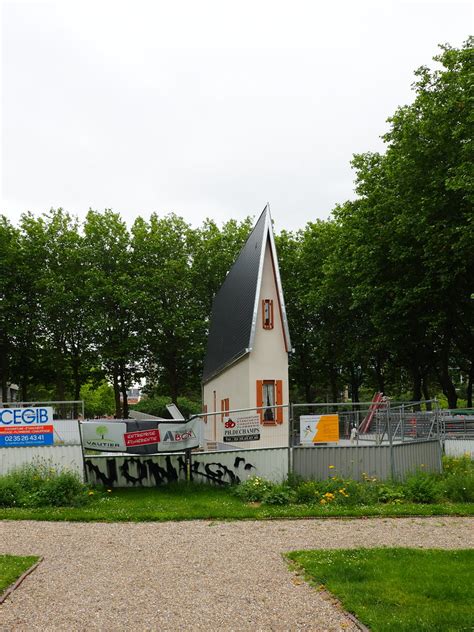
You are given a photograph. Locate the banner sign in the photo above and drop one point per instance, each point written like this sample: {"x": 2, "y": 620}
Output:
{"x": 179, "y": 436}
{"x": 319, "y": 429}
{"x": 245, "y": 428}
{"x": 104, "y": 435}
{"x": 142, "y": 437}
{"x": 23, "y": 427}
{"x": 139, "y": 437}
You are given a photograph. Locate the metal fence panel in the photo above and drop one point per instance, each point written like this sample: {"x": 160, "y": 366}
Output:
{"x": 459, "y": 447}
{"x": 67, "y": 457}
{"x": 219, "y": 468}
{"x": 357, "y": 462}
{"x": 418, "y": 455}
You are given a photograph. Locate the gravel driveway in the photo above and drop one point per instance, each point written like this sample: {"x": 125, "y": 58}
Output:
{"x": 192, "y": 575}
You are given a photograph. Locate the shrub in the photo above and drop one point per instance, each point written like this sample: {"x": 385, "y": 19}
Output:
{"x": 9, "y": 492}
{"x": 459, "y": 487}
{"x": 307, "y": 492}
{"x": 279, "y": 495}
{"x": 422, "y": 488}
{"x": 63, "y": 490}
{"x": 39, "y": 484}
{"x": 254, "y": 489}
{"x": 390, "y": 494}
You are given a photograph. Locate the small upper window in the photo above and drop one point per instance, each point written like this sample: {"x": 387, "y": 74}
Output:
{"x": 267, "y": 313}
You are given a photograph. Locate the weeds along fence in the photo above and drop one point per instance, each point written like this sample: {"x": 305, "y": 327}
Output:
{"x": 64, "y": 452}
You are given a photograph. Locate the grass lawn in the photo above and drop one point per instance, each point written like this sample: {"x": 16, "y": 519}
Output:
{"x": 184, "y": 502}
{"x": 397, "y": 589}
{"x": 11, "y": 567}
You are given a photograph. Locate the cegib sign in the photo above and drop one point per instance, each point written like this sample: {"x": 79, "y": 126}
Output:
{"x": 23, "y": 427}
{"x": 319, "y": 429}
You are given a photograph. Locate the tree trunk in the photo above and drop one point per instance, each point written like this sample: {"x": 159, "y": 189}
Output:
{"x": 447, "y": 384}
{"x": 379, "y": 375}
{"x": 118, "y": 408}
{"x": 417, "y": 394}
{"x": 469, "y": 386}
{"x": 426, "y": 393}
{"x": 4, "y": 374}
{"x": 76, "y": 361}
{"x": 123, "y": 390}
{"x": 354, "y": 386}
{"x": 333, "y": 384}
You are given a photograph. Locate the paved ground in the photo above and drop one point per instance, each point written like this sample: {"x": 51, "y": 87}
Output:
{"x": 192, "y": 575}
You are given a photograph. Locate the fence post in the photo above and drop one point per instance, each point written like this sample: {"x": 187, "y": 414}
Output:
{"x": 290, "y": 439}
{"x": 390, "y": 440}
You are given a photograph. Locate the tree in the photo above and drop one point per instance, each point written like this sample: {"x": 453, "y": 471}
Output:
{"x": 111, "y": 290}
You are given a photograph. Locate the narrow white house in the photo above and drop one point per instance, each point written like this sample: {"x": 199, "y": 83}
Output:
{"x": 246, "y": 362}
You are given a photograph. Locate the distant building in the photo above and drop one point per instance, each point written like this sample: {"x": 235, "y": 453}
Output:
{"x": 12, "y": 393}
{"x": 134, "y": 395}
{"x": 246, "y": 362}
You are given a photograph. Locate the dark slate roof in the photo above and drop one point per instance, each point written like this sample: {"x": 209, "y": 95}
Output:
{"x": 234, "y": 304}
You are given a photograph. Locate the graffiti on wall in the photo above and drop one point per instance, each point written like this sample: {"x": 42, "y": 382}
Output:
{"x": 157, "y": 471}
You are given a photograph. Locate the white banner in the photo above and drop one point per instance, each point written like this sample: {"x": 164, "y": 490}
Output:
{"x": 113, "y": 436}
{"x": 179, "y": 436}
{"x": 241, "y": 428}
{"x": 104, "y": 435}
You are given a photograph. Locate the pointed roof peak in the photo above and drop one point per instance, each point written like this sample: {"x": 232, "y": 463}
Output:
{"x": 235, "y": 305}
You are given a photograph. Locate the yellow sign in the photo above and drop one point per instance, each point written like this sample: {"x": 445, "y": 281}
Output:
{"x": 319, "y": 429}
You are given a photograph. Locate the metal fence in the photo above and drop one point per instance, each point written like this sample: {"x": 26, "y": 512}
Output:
{"x": 366, "y": 461}
{"x": 66, "y": 451}
{"x": 458, "y": 424}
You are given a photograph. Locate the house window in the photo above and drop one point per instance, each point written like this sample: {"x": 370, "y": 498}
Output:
{"x": 224, "y": 408}
{"x": 269, "y": 395}
{"x": 267, "y": 313}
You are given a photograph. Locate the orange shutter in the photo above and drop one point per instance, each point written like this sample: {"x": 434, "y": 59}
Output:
{"x": 222, "y": 409}
{"x": 279, "y": 401}
{"x": 205, "y": 411}
{"x": 259, "y": 399}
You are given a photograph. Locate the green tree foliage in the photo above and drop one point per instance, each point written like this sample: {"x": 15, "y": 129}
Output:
{"x": 379, "y": 297}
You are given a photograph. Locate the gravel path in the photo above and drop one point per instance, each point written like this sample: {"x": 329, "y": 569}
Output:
{"x": 192, "y": 575}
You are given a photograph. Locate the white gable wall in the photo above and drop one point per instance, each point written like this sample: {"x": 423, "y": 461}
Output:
{"x": 268, "y": 360}
{"x": 232, "y": 383}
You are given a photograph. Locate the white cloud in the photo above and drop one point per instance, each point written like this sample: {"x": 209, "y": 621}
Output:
{"x": 204, "y": 108}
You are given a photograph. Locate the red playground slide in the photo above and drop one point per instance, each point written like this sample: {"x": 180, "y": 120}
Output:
{"x": 378, "y": 402}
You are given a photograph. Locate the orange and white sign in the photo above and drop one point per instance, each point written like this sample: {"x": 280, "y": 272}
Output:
{"x": 319, "y": 429}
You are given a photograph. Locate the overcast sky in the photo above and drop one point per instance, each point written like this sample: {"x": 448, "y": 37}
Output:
{"x": 205, "y": 108}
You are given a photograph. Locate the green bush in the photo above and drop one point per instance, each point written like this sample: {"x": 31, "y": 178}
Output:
{"x": 390, "y": 494}
{"x": 422, "y": 488}
{"x": 40, "y": 485}
{"x": 9, "y": 492}
{"x": 279, "y": 495}
{"x": 459, "y": 487}
{"x": 156, "y": 405}
{"x": 307, "y": 492}
{"x": 254, "y": 489}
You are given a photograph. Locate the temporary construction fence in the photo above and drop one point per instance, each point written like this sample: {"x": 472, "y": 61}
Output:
{"x": 386, "y": 441}
{"x": 218, "y": 468}
{"x": 60, "y": 448}
{"x": 367, "y": 461}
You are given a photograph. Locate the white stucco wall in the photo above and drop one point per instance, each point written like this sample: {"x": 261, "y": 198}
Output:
{"x": 233, "y": 383}
{"x": 268, "y": 360}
